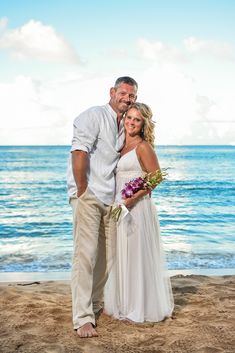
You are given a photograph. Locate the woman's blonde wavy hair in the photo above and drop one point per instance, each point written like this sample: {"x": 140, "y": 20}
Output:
{"x": 147, "y": 132}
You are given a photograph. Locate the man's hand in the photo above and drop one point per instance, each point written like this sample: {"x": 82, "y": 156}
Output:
{"x": 81, "y": 190}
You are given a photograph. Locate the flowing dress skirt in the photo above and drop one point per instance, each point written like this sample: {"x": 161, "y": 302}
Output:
{"x": 138, "y": 287}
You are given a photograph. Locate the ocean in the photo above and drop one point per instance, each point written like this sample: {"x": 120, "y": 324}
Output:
{"x": 196, "y": 207}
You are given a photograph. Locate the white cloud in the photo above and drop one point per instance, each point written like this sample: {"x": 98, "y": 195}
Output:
{"x": 35, "y": 112}
{"x": 192, "y": 104}
{"x": 214, "y": 48}
{"x": 35, "y": 40}
{"x": 156, "y": 50}
{"x": 171, "y": 95}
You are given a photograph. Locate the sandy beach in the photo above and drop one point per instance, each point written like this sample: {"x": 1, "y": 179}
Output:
{"x": 36, "y": 317}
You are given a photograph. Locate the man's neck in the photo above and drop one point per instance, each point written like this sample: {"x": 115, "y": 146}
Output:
{"x": 119, "y": 115}
{"x": 119, "y": 119}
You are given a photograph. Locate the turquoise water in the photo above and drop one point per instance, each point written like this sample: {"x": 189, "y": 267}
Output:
{"x": 196, "y": 207}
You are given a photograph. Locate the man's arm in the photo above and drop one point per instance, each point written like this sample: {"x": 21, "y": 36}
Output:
{"x": 85, "y": 132}
{"x": 80, "y": 165}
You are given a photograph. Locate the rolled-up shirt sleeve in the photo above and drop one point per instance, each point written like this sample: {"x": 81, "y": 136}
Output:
{"x": 85, "y": 131}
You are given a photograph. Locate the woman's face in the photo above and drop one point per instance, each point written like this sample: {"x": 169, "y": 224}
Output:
{"x": 133, "y": 122}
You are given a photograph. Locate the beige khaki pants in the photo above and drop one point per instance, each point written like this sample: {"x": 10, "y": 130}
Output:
{"x": 93, "y": 229}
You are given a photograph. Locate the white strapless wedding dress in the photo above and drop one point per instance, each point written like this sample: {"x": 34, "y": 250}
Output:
{"x": 138, "y": 287}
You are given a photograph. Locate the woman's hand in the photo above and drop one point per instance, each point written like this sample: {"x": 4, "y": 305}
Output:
{"x": 130, "y": 202}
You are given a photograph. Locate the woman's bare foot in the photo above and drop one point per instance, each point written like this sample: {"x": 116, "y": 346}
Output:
{"x": 87, "y": 331}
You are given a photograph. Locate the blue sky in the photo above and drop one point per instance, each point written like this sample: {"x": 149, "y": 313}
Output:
{"x": 60, "y": 57}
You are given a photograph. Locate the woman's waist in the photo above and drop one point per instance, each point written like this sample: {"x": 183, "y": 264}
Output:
{"x": 129, "y": 173}
{"x": 143, "y": 199}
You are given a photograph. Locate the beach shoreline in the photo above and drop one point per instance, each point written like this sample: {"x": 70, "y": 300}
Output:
{"x": 66, "y": 275}
{"x": 36, "y": 317}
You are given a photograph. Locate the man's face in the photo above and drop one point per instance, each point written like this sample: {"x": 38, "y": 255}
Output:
{"x": 122, "y": 96}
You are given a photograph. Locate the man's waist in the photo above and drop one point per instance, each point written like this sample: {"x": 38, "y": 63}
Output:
{"x": 104, "y": 195}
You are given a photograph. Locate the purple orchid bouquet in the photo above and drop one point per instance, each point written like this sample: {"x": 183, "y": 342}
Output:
{"x": 132, "y": 187}
{"x": 148, "y": 181}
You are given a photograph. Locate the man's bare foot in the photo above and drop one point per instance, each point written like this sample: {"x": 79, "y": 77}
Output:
{"x": 87, "y": 331}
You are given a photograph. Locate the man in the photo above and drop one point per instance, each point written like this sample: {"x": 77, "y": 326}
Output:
{"x": 98, "y": 137}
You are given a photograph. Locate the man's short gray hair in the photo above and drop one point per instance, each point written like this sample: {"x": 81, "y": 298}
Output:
{"x": 126, "y": 79}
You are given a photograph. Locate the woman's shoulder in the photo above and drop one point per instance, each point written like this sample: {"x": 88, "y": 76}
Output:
{"x": 144, "y": 147}
{"x": 147, "y": 157}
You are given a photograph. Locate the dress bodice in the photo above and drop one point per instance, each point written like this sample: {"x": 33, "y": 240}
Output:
{"x": 128, "y": 168}
{"x": 129, "y": 165}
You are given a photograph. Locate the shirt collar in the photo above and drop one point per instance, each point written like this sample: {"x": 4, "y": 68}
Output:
{"x": 111, "y": 111}
{"x": 114, "y": 116}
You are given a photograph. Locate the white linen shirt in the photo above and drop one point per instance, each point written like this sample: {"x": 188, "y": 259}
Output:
{"x": 96, "y": 132}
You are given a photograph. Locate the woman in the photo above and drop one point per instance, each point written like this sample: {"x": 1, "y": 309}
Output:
{"x": 138, "y": 288}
